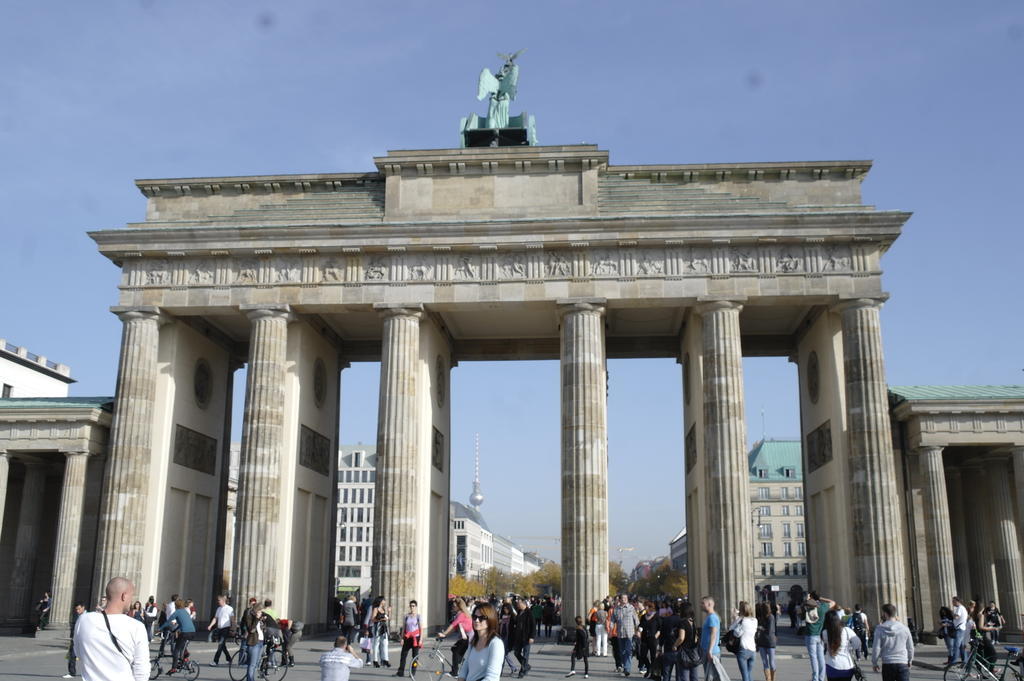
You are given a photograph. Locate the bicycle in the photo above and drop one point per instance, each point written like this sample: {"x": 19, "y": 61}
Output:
{"x": 272, "y": 666}
{"x": 977, "y": 669}
{"x": 189, "y": 668}
{"x": 430, "y": 663}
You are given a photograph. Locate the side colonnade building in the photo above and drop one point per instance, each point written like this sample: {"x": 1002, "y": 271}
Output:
{"x": 453, "y": 255}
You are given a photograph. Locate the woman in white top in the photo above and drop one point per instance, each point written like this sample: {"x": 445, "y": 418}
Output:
{"x": 486, "y": 650}
{"x": 745, "y": 626}
{"x": 840, "y": 643}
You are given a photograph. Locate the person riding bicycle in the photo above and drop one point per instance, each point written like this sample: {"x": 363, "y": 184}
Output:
{"x": 186, "y": 632}
{"x": 461, "y": 622}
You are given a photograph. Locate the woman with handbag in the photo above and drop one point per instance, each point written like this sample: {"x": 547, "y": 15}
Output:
{"x": 947, "y": 632}
{"x": 686, "y": 646}
{"x": 766, "y": 639}
{"x": 486, "y": 653}
{"x": 379, "y": 617}
{"x": 743, "y": 628}
{"x": 839, "y": 642}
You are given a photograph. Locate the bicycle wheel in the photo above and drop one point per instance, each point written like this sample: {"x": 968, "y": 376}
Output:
{"x": 427, "y": 667}
{"x": 190, "y": 670}
{"x": 154, "y": 668}
{"x": 961, "y": 671}
{"x": 274, "y": 665}
{"x": 239, "y": 664}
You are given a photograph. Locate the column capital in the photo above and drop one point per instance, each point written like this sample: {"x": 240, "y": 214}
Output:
{"x": 128, "y": 313}
{"x": 71, "y": 453}
{"x": 706, "y": 305}
{"x": 257, "y": 311}
{"x": 568, "y": 305}
{"x": 386, "y": 310}
{"x": 860, "y": 303}
{"x": 928, "y": 449}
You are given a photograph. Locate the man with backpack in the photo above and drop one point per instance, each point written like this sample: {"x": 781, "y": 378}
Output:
{"x": 858, "y": 622}
{"x": 814, "y": 609}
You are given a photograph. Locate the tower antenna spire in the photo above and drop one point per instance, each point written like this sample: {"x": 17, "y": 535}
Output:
{"x": 477, "y": 497}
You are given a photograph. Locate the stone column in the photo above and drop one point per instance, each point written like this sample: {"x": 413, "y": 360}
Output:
{"x": 1017, "y": 458}
{"x": 938, "y": 533}
{"x": 26, "y": 543}
{"x": 69, "y": 530}
{"x": 730, "y": 551}
{"x": 878, "y": 559}
{"x": 122, "y": 530}
{"x": 961, "y": 564}
{"x": 979, "y": 535}
{"x": 5, "y": 467}
{"x": 1010, "y": 598}
{"x": 584, "y": 457}
{"x": 395, "y": 522}
{"x": 257, "y": 543}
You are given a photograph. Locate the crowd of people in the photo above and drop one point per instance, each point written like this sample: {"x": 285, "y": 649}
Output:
{"x": 113, "y": 641}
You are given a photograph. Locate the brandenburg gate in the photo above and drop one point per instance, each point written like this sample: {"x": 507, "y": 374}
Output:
{"x": 492, "y": 253}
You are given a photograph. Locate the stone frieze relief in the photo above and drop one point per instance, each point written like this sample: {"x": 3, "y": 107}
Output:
{"x": 445, "y": 266}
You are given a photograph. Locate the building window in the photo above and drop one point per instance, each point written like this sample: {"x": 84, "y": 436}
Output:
{"x": 7, "y": 390}
{"x": 764, "y": 569}
{"x": 800, "y": 548}
{"x": 798, "y": 493}
{"x": 373, "y": 476}
{"x": 785, "y": 509}
{"x": 799, "y": 529}
{"x": 343, "y": 534}
{"x": 341, "y": 554}
{"x": 344, "y": 496}
{"x": 789, "y": 472}
{"x": 787, "y": 570}
{"x": 786, "y": 530}
{"x": 766, "y": 549}
{"x": 787, "y": 549}
{"x": 762, "y": 472}
{"x": 762, "y": 493}
{"x": 771, "y": 569}
{"x": 765, "y": 510}
{"x": 369, "y": 496}
{"x": 800, "y": 509}
{"x": 784, "y": 493}
{"x": 803, "y": 569}
{"x": 764, "y": 531}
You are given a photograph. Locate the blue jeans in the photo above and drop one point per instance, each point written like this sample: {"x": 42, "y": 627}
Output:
{"x": 816, "y": 651}
{"x": 255, "y": 654}
{"x": 745, "y": 659}
{"x": 951, "y": 650}
{"x": 626, "y": 653}
{"x": 768, "y": 658}
{"x": 961, "y": 642}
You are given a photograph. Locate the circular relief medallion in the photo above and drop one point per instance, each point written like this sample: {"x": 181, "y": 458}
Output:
{"x": 686, "y": 378}
{"x": 202, "y": 383}
{"x": 441, "y": 379}
{"x": 319, "y": 382}
{"x": 813, "y": 378}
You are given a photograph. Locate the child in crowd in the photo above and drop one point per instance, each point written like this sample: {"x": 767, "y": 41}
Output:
{"x": 580, "y": 649}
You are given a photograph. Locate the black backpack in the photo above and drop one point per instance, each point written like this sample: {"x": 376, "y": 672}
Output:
{"x": 857, "y": 624}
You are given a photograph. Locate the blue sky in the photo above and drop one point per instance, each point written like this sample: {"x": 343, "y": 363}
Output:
{"x": 93, "y": 96}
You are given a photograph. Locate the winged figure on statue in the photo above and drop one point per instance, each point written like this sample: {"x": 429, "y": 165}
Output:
{"x": 498, "y": 128}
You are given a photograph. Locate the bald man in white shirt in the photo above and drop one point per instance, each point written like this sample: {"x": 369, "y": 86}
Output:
{"x": 112, "y": 646}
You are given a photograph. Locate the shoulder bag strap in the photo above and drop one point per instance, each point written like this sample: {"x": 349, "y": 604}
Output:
{"x": 113, "y": 638}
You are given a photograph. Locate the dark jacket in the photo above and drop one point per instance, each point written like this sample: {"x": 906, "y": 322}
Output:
{"x": 581, "y": 646}
{"x": 525, "y": 628}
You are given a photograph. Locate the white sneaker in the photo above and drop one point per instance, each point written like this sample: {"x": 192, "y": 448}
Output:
{"x": 67, "y": 676}
{"x": 570, "y": 674}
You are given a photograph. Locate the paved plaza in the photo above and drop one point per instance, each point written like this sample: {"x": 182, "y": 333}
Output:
{"x": 26, "y": 658}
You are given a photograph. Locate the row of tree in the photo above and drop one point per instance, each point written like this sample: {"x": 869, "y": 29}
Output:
{"x": 662, "y": 581}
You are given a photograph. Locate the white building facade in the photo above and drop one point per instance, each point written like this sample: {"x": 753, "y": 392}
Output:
{"x": 26, "y": 374}
{"x": 357, "y": 473}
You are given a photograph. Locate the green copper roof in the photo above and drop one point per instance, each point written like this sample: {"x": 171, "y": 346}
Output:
{"x": 956, "y": 392}
{"x": 105, "y": 403}
{"x": 775, "y": 456}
